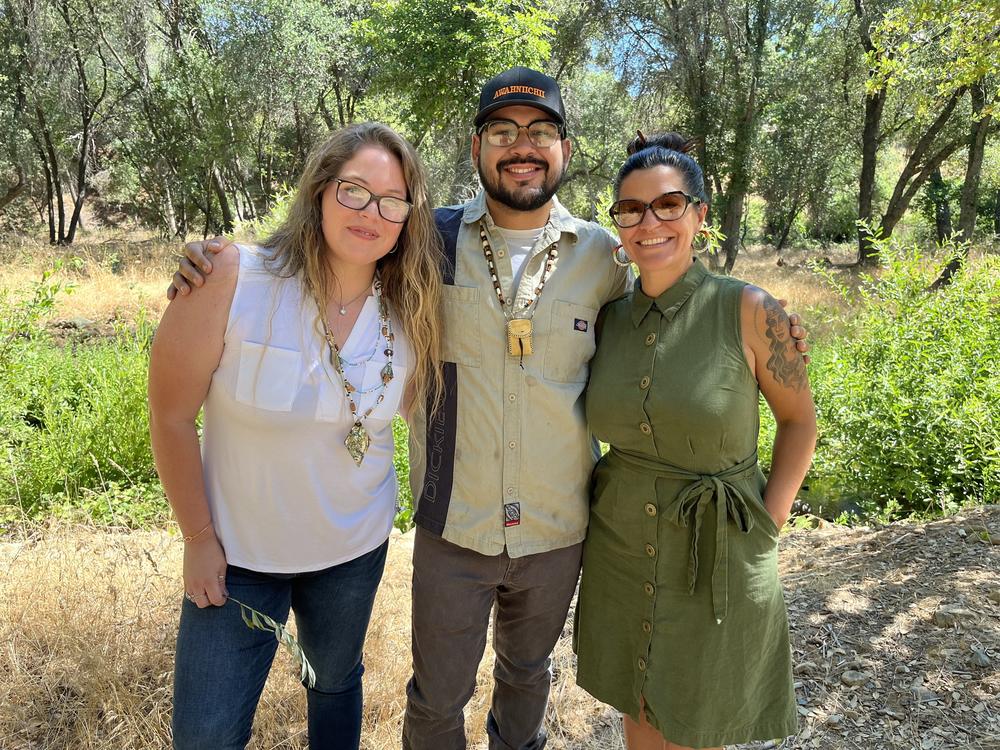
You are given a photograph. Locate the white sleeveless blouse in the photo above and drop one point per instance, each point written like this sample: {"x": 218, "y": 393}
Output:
{"x": 284, "y": 493}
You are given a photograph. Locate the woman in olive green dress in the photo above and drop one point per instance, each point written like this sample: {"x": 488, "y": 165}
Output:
{"x": 681, "y": 623}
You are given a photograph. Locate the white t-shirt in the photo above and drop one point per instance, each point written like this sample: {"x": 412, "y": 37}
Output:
{"x": 285, "y": 494}
{"x": 520, "y": 243}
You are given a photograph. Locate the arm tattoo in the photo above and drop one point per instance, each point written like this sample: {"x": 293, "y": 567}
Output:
{"x": 785, "y": 362}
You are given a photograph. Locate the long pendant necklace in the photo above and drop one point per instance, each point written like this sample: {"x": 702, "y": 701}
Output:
{"x": 358, "y": 440}
{"x": 519, "y": 330}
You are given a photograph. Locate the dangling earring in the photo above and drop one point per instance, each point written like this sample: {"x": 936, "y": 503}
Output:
{"x": 395, "y": 247}
{"x": 618, "y": 258}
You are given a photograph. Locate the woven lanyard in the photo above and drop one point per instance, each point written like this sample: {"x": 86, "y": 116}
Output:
{"x": 519, "y": 343}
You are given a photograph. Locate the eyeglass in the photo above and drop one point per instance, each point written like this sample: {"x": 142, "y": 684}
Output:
{"x": 668, "y": 207}
{"x": 503, "y": 133}
{"x": 390, "y": 208}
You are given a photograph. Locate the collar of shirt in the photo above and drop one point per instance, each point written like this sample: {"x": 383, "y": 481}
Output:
{"x": 560, "y": 220}
{"x": 672, "y": 300}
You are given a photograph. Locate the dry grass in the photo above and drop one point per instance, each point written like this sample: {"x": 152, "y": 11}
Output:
{"x": 88, "y": 619}
{"x": 116, "y": 275}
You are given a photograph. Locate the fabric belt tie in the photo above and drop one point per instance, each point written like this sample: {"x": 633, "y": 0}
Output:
{"x": 689, "y": 508}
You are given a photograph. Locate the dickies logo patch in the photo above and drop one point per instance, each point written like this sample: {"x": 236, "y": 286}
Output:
{"x": 580, "y": 324}
{"x": 512, "y": 514}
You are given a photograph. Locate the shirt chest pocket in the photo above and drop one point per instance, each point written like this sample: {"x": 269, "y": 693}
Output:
{"x": 461, "y": 337}
{"x": 269, "y": 377}
{"x": 571, "y": 342}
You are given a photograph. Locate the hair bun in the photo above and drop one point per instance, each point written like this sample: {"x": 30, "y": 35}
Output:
{"x": 673, "y": 141}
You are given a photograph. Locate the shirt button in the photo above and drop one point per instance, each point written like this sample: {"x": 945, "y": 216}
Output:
{"x": 510, "y": 490}
{"x": 500, "y": 253}
{"x": 650, "y": 510}
{"x": 645, "y": 429}
{"x": 644, "y": 383}
{"x": 512, "y": 445}
{"x": 642, "y": 664}
{"x": 647, "y": 627}
{"x": 650, "y": 339}
{"x": 651, "y": 550}
{"x": 511, "y": 397}
{"x": 648, "y": 588}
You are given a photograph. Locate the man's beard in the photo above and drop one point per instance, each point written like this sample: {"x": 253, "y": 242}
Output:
{"x": 525, "y": 199}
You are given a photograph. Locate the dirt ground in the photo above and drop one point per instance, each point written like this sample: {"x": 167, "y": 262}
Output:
{"x": 896, "y": 637}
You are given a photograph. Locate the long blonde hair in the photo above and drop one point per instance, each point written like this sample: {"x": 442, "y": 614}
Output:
{"x": 411, "y": 276}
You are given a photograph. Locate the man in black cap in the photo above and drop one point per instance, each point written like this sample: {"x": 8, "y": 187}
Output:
{"x": 500, "y": 473}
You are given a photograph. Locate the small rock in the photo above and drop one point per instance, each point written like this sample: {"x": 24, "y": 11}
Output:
{"x": 994, "y": 596}
{"x": 805, "y": 668}
{"x": 980, "y": 658}
{"x": 853, "y": 678}
{"x": 834, "y": 720}
{"x": 979, "y": 708}
{"x": 962, "y": 533}
{"x": 948, "y": 616}
{"x": 923, "y": 695}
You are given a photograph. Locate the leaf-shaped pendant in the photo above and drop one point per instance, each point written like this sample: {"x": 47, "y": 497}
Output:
{"x": 387, "y": 373}
{"x": 357, "y": 442}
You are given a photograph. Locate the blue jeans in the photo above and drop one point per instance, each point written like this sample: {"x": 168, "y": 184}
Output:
{"x": 221, "y": 664}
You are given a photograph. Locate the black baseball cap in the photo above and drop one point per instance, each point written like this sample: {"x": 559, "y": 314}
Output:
{"x": 522, "y": 86}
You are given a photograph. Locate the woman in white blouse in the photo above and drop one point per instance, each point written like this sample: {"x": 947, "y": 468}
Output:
{"x": 300, "y": 352}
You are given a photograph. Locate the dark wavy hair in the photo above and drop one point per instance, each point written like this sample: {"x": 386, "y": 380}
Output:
{"x": 664, "y": 150}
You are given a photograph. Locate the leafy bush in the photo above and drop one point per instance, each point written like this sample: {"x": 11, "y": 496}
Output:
{"x": 74, "y": 418}
{"x": 909, "y": 398}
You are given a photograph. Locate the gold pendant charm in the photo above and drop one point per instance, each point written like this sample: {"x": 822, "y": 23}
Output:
{"x": 519, "y": 337}
{"x": 357, "y": 442}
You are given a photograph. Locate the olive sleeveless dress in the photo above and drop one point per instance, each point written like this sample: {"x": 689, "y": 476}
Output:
{"x": 680, "y": 604}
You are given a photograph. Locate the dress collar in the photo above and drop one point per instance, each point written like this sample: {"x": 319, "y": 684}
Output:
{"x": 672, "y": 300}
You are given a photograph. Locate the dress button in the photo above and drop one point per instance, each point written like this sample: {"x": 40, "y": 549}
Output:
{"x": 648, "y": 588}
{"x": 645, "y": 429}
{"x": 510, "y": 490}
{"x": 644, "y": 383}
{"x": 512, "y": 445}
{"x": 650, "y": 339}
{"x": 650, "y": 510}
{"x": 500, "y": 253}
{"x": 651, "y": 550}
{"x": 511, "y": 397}
{"x": 642, "y": 664}
{"x": 647, "y": 626}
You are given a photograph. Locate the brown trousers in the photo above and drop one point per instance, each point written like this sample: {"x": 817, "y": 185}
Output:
{"x": 454, "y": 590}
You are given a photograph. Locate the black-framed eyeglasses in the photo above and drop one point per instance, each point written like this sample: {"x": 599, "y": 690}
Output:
{"x": 355, "y": 196}
{"x": 667, "y": 207}
{"x": 503, "y": 133}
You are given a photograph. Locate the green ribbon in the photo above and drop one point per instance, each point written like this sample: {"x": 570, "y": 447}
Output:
{"x": 688, "y": 508}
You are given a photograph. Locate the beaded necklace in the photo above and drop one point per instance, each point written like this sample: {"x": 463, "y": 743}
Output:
{"x": 518, "y": 329}
{"x": 358, "y": 440}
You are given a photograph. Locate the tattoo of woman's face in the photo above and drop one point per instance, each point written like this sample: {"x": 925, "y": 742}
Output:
{"x": 785, "y": 363}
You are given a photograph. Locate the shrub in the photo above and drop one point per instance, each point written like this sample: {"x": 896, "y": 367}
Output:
{"x": 908, "y": 397}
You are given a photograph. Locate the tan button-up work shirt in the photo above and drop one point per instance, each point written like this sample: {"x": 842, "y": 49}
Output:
{"x": 507, "y": 460}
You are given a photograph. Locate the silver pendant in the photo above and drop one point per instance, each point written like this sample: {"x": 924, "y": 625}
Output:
{"x": 343, "y": 311}
{"x": 357, "y": 442}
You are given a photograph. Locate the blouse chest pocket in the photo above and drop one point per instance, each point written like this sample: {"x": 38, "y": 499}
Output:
{"x": 461, "y": 336}
{"x": 571, "y": 342}
{"x": 269, "y": 377}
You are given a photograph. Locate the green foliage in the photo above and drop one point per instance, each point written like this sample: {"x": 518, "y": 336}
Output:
{"x": 909, "y": 398}
{"x": 73, "y": 421}
{"x": 401, "y": 460}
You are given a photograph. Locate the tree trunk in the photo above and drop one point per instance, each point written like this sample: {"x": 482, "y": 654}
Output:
{"x": 996, "y": 213}
{"x": 970, "y": 188}
{"x": 974, "y": 167}
{"x": 874, "y": 105}
{"x": 228, "y": 220}
{"x": 942, "y": 210}
{"x": 52, "y": 168}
